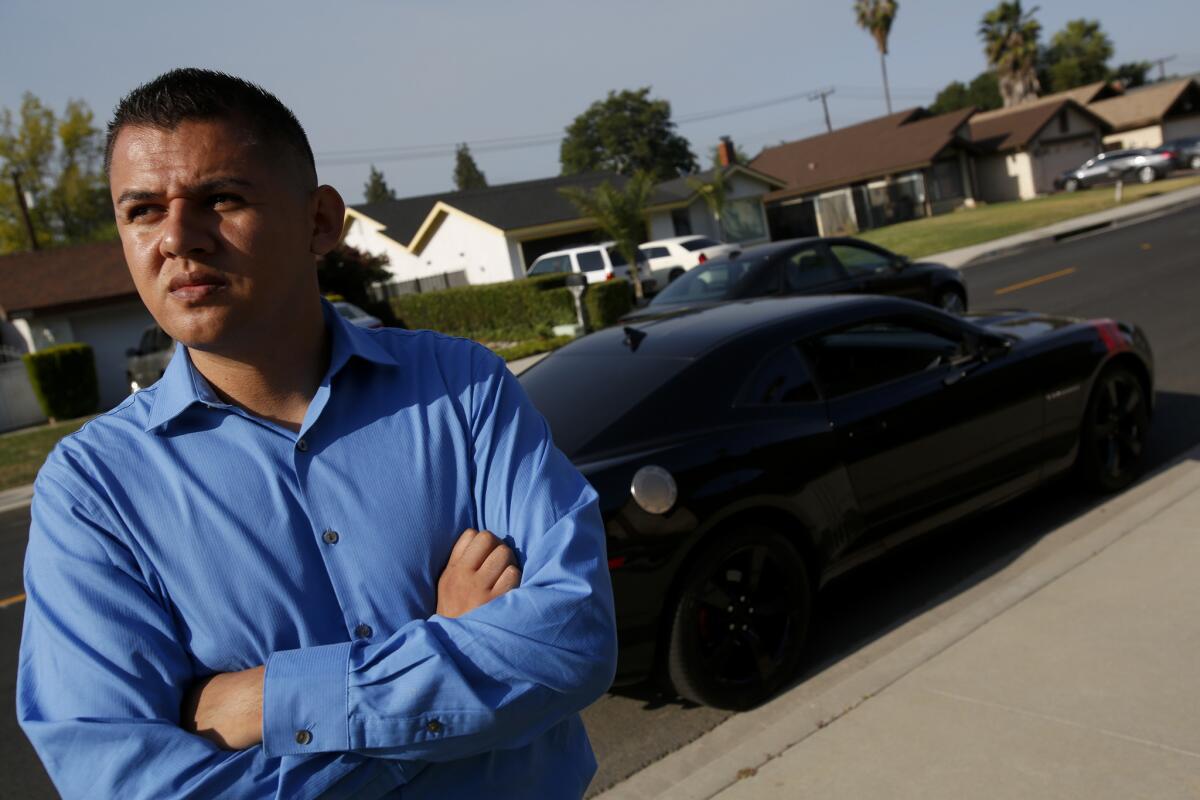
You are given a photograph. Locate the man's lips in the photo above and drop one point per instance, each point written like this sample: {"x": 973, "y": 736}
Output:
{"x": 195, "y": 285}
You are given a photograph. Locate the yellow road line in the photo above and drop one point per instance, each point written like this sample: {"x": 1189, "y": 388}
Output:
{"x": 1062, "y": 273}
{"x": 10, "y": 601}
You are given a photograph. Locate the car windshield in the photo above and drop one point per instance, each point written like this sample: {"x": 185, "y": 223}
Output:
{"x": 699, "y": 244}
{"x": 718, "y": 279}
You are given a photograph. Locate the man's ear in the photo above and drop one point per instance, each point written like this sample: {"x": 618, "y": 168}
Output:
{"x": 328, "y": 219}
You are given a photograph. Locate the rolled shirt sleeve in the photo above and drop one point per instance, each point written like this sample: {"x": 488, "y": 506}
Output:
{"x": 442, "y": 689}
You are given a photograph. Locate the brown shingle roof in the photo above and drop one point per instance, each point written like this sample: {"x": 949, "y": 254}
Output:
{"x": 64, "y": 276}
{"x": 1080, "y": 94}
{"x": 872, "y": 149}
{"x": 1010, "y": 128}
{"x": 1145, "y": 105}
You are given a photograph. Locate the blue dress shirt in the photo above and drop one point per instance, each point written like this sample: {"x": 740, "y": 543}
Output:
{"x": 178, "y": 536}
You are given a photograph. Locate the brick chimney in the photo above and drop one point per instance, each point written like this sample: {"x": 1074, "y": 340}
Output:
{"x": 726, "y": 155}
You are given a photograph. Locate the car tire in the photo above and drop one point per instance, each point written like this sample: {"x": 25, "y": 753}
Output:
{"x": 1146, "y": 175}
{"x": 740, "y": 621}
{"x": 1112, "y": 438}
{"x": 951, "y": 300}
{"x": 1071, "y": 185}
{"x": 673, "y": 274}
{"x": 1195, "y": 162}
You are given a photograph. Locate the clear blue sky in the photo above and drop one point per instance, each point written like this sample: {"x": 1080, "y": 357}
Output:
{"x": 365, "y": 74}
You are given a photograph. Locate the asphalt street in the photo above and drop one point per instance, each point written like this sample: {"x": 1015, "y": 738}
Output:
{"x": 1148, "y": 273}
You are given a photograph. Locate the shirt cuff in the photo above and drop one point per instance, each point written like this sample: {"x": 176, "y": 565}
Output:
{"x": 304, "y": 701}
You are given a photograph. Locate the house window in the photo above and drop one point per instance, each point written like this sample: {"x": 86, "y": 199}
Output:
{"x": 742, "y": 220}
{"x": 946, "y": 180}
{"x": 682, "y": 222}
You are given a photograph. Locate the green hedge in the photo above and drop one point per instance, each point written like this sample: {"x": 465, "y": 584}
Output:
{"x": 64, "y": 380}
{"x": 513, "y": 310}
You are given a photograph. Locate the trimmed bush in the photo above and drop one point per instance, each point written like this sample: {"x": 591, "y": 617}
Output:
{"x": 513, "y": 310}
{"x": 64, "y": 380}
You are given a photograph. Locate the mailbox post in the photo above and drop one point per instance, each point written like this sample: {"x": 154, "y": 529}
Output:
{"x": 577, "y": 284}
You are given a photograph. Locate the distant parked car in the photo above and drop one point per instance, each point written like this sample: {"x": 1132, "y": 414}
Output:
{"x": 146, "y": 363}
{"x": 597, "y": 262}
{"x": 356, "y": 316}
{"x": 833, "y": 265}
{"x": 1143, "y": 164}
{"x": 1186, "y": 152}
{"x": 672, "y": 257}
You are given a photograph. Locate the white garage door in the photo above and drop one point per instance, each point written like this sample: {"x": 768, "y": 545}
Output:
{"x": 1059, "y": 157}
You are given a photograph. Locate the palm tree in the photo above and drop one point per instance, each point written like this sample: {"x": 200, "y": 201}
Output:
{"x": 621, "y": 215}
{"x": 1010, "y": 41}
{"x": 713, "y": 192}
{"x": 876, "y": 17}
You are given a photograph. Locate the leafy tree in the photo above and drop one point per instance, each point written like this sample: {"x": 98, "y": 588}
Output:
{"x": 1132, "y": 74}
{"x": 983, "y": 93}
{"x": 349, "y": 272}
{"x": 376, "y": 189}
{"x": 1010, "y": 40}
{"x": 621, "y": 215}
{"x": 466, "y": 172}
{"x": 1077, "y": 55}
{"x": 627, "y": 132}
{"x": 876, "y": 17}
{"x": 60, "y": 164}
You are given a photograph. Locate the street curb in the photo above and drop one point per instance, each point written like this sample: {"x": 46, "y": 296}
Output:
{"x": 1053, "y": 239}
{"x": 16, "y": 498}
{"x": 747, "y": 741}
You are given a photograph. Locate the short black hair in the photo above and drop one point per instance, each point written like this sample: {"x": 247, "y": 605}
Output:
{"x": 201, "y": 94}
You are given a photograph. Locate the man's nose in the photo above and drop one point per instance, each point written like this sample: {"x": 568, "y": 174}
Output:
{"x": 186, "y": 231}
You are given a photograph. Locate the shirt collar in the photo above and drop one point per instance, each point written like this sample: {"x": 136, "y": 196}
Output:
{"x": 182, "y": 385}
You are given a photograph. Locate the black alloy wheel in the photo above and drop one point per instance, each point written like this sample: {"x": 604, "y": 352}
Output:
{"x": 1195, "y": 162}
{"x": 1146, "y": 175}
{"x": 1115, "y": 426}
{"x": 951, "y": 300}
{"x": 740, "y": 622}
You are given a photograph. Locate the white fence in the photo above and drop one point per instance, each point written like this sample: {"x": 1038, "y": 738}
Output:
{"x": 18, "y": 406}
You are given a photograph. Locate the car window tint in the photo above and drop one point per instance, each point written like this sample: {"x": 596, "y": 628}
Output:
{"x": 879, "y": 352}
{"x": 713, "y": 280}
{"x": 779, "y": 379}
{"x": 655, "y": 252}
{"x": 547, "y": 265}
{"x": 590, "y": 260}
{"x": 859, "y": 260}
{"x": 699, "y": 244}
{"x": 809, "y": 269}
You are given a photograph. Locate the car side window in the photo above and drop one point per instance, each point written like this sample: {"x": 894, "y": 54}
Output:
{"x": 590, "y": 260}
{"x": 875, "y": 353}
{"x": 860, "y": 261}
{"x": 809, "y": 269}
{"x": 655, "y": 252}
{"x": 782, "y": 378}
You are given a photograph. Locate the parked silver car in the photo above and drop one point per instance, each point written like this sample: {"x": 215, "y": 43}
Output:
{"x": 1186, "y": 152}
{"x": 146, "y": 363}
{"x": 1143, "y": 165}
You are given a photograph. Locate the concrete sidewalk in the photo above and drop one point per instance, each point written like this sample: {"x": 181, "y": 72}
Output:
{"x": 1130, "y": 212}
{"x": 1076, "y": 677}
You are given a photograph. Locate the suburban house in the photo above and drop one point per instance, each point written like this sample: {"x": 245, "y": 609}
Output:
{"x": 1022, "y": 148}
{"x": 889, "y": 169}
{"x": 1149, "y": 116}
{"x": 76, "y": 294}
{"x": 494, "y": 234}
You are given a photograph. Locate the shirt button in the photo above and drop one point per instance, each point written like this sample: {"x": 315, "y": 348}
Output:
{"x": 303, "y": 737}
{"x": 302, "y": 446}
{"x": 433, "y": 726}
{"x": 363, "y": 631}
{"x": 330, "y": 537}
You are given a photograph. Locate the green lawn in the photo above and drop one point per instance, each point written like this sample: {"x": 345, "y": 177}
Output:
{"x": 22, "y": 452}
{"x": 970, "y": 226}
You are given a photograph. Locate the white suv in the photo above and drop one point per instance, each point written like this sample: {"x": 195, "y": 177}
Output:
{"x": 597, "y": 263}
{"x": 670, "y": 258}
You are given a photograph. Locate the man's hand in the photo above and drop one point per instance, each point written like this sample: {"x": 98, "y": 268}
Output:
{"x": 481, "y": 568}
{"x": 226, "y": 709}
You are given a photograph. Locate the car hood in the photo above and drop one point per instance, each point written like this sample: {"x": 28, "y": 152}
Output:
{"x": 1020, "y": 324}
{"x": 667, "y": 310}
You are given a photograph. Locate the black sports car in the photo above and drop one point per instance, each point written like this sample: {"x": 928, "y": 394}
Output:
{"x": 831, "y": 265}
{"x": 746, "y": 453}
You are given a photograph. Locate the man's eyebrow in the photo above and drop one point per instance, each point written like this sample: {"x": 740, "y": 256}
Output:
{"x": 204, "y": 188}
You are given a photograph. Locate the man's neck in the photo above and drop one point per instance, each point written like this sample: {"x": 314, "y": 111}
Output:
{"x": 276, "y": 380}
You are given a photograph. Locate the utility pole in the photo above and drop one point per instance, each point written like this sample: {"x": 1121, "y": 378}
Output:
{"x": 1162, "y": 70}
{"x": 821, "y": 94}
{"x": 16, "y": 176}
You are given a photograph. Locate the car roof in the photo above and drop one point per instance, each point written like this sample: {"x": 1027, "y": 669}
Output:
{"x": 678, "y": 240}
{"x": 577, "y": 249}
{"x": 693, "y": 332}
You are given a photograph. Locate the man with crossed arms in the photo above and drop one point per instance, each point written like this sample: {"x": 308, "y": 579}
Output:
{"x": 271, "y": 573}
